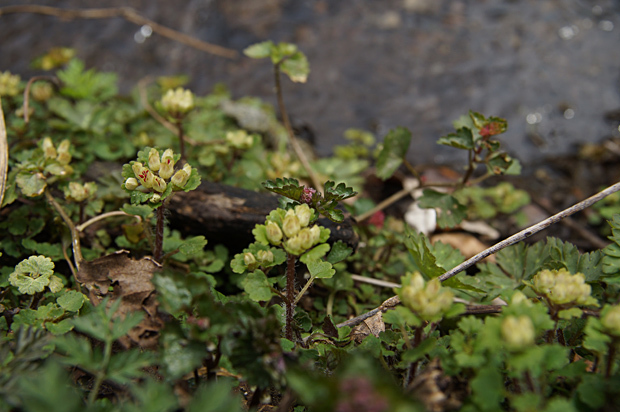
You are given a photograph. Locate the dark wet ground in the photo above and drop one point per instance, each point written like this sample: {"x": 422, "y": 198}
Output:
{"x": 552, "y": 68}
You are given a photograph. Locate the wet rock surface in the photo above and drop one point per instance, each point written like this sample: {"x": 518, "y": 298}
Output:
{"x": 551, "y": 68}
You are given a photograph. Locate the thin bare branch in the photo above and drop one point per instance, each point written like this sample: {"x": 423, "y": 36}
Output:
{"x": 128, "y": 14}
{"x": 516, "y": 238}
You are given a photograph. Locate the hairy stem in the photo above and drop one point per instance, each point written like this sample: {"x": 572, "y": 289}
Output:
{"x": 158, "y": 246}
{"x": 291, "y": 135}
{"x": 290, "y": 295}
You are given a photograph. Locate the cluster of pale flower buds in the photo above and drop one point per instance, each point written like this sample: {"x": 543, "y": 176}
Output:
{"x": 78, "y": 192}
{"x": 562, "y": 288}
{"x": 178, "y": 102}
{"x": 429, "y": 300}
{"x": 611, "y": 320}
{"x": 294, "y": 234}
{"x": 154, "y": 176}
{"x": 518, "y": 332}
{"x": 60, "y": 154}
{"x": 261, "y": 258}
{"x": 9, "y": 84}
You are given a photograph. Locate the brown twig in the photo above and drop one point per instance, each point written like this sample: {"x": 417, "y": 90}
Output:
{"x": 518, "y": 237}
{"x": 128, "y": 14}
{"x": 52, "y": 79}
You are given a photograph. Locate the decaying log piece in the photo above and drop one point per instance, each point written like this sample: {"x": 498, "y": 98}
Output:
{"x": 227, "y": 215}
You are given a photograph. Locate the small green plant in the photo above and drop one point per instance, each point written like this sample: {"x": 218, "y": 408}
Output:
{"x": 291, "y": 234}
{"x": 152, "y": 179}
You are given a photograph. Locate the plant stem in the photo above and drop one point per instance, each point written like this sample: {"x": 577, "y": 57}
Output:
{"x": 80, "y": 228}
{"x": 291, "y": 135}
{"x": 101, "y": 373}
{"x": 181, "y": 138}
{"x": 610, "y": 358}
{"x": 75, "y": 236}
{"x": 304, "y": 290}
{"x": 158, "y": 246}
{"x": 290, "y": 295}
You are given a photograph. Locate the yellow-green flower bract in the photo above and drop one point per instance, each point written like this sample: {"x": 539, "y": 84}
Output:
{"x": 518, "y": 332}
{"x": 429, "y": 300}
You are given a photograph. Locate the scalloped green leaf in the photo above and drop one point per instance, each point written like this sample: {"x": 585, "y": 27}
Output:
{"x": 316, "y": 253}
{"x": 143, "y": 211}
{"x": 28, "y": 285}
{"x": 296, "y": 67}
{"x": 461, "y": 139}
{"x": 257, "y": 286}
{"x": 71, "y": 300}
{"x": 35, "y": 266}
{"x": 193, "y": 246}
{"x": 452, "y": 212}
{"x": 259, "y": 50}
{"x": 31, "y": 184}
{"x": 339, "y": 252}
{"x": 320, "y": 269}
{"x": 395, "y": 146}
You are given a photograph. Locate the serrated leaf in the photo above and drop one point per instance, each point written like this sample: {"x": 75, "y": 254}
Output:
{"x": 338, "y": 193}
{"x": 567, "y": 254}
{"x": 125, "y": 366}
{"x": 257, "y": 286}
{"x": 320, "y": 269}
{"x": 394, "y": 149}
{"x": 86, "y": 84}
{"x": 421, "y": 251}
{"x": 611, "y": 260}
{"x": 461, "y": 139}
{"x": 286, "y": 187}
{"x": 259, "y": 50}
{"x": 339, "y": 252}
{"x": 451, "y": 212}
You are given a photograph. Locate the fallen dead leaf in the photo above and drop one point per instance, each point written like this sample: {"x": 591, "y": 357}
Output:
{"x": 120, "y": 277}
{"x": 373, "y": 324}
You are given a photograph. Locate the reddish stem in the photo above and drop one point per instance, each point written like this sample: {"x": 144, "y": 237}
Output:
{"x": 290, "y": 295}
